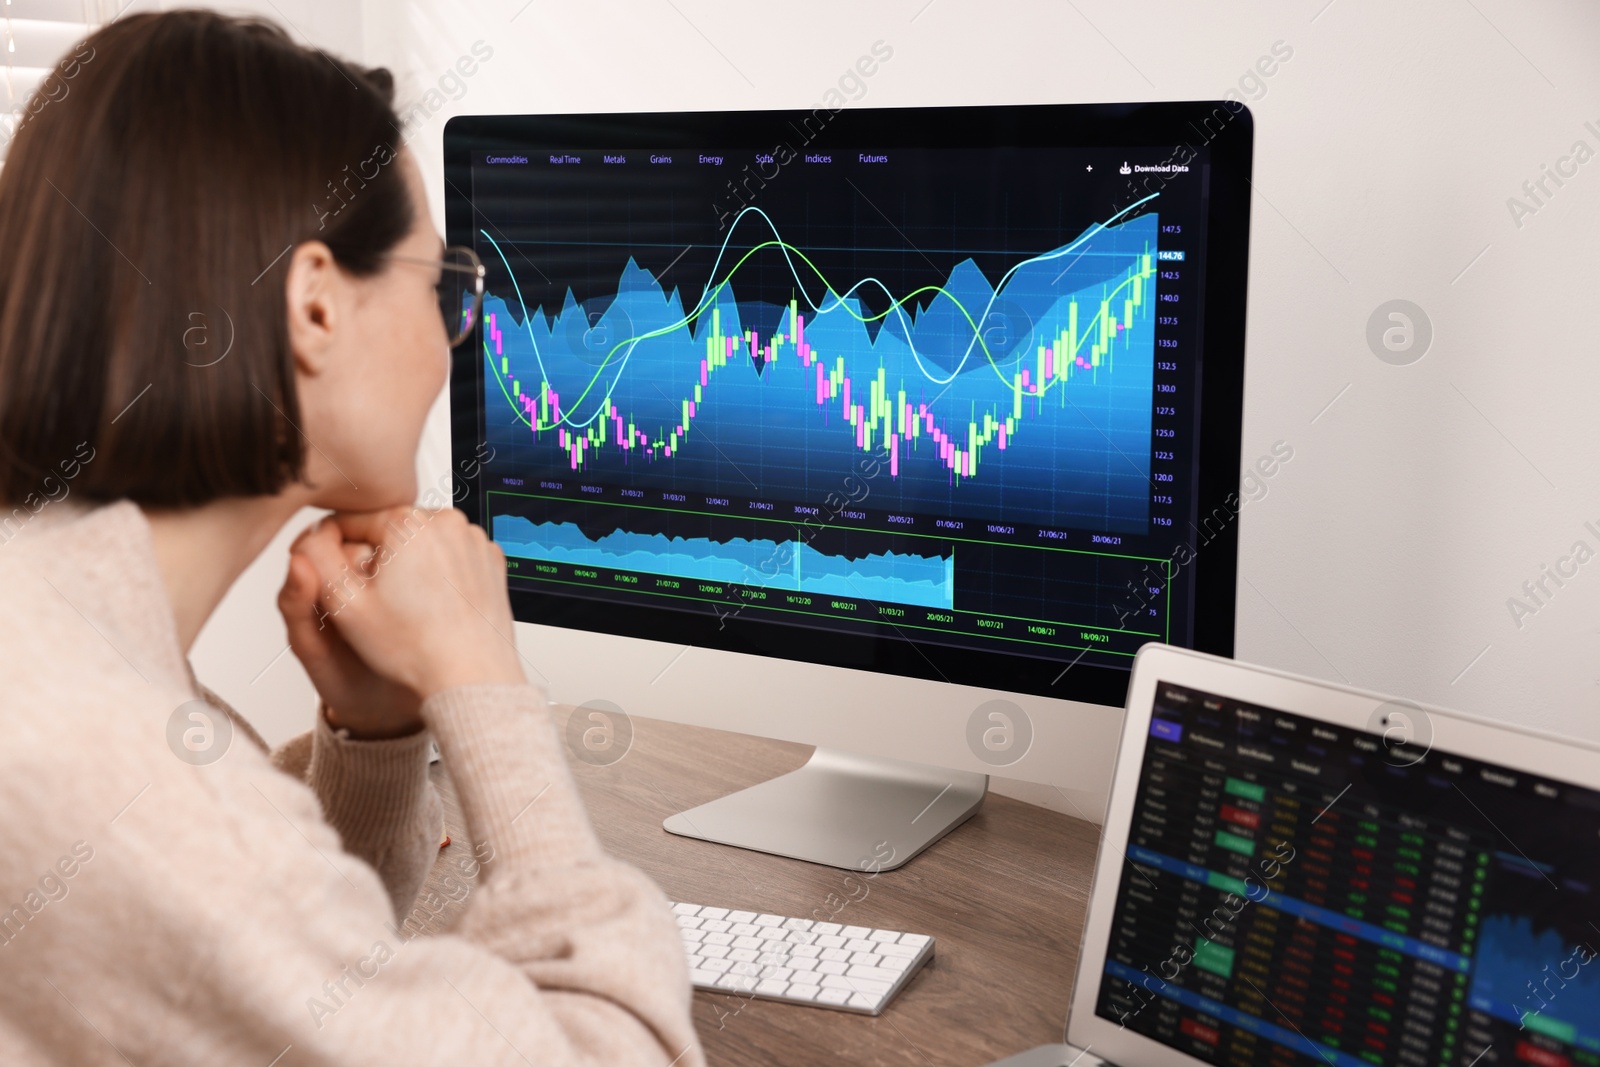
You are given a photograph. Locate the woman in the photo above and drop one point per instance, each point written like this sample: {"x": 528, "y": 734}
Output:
{"x": 187, "y": 173}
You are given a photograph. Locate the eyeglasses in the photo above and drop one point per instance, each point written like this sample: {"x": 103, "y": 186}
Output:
{"x": 460, "y": 287}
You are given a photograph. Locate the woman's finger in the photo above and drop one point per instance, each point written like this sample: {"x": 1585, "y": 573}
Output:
{"x": 297, "y": 602}
{"x": 310, "y": 530}
{"x": 379, "y": 527}
{"x": 336, "y": 578}
{"x": 359, "y": 557}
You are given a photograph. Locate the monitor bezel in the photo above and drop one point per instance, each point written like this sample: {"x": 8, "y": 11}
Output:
{"x": 1221, "y": 377}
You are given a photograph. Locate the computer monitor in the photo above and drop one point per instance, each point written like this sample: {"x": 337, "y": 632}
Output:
{"x": 903, "y": 421}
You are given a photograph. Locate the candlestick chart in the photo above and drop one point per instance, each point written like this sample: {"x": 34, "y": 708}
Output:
{"x": 1026, "y": 397}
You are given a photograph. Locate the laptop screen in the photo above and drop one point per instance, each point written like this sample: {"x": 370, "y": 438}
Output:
{"x": 1298, "y": 892}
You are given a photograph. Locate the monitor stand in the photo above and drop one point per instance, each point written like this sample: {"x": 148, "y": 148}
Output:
{"x": 841, "y": 809}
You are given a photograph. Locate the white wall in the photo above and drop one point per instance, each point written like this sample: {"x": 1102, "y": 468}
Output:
{"x": 1386, "y": 148}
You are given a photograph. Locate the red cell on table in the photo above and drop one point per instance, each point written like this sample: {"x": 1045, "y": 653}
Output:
{"x": 1540, "y": 1057}
{"x": 1240, "y": 817}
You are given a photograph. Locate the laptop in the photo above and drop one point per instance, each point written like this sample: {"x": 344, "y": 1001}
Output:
{"x": 1296, "y": 873}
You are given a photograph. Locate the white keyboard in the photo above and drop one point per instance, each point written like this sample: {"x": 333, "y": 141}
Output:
{"x": 827, "y": 965}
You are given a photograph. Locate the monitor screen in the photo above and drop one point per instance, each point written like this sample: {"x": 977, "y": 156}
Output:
{"x": 945, "y": 392}
{"x": 1302, "y": 893}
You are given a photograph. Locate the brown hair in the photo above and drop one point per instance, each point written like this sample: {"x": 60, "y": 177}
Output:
{"x": 146, "y": 214}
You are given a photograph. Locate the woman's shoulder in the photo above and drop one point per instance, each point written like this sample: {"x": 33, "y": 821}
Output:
{"x": 55, "y": 656}
{"x": 87, "y": 602}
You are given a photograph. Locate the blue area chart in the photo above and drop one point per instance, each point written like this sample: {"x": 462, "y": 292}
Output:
{"x": 1534, "y": 978}
{"x": 1029, "y": 397}
{"x": 902, "y": 578}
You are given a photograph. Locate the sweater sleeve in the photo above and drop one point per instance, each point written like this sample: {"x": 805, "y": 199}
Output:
{"x": 378, "y": 796}
{"x": 551, "y": 902}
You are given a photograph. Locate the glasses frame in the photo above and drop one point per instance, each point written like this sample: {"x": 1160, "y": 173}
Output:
{"x": 456, "y": 333}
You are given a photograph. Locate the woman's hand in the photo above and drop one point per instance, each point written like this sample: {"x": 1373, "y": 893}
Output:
{"x": 358, "y": 698}
{"x": 417, "y": 596}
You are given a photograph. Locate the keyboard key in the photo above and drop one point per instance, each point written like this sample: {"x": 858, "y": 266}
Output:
{"x": 744, "y": 929}
{"x": 689, "y": 922}
{"x": 833, "y": 996}
{"x": 855, "y": 931}
{"x": 740, "y": 916}
{"x": 740, "y": 982}
{"x": 861, "y": 1000}
{"x": 719, "y": 939}
{"x": 865, "y": 959}
{"x": 717, "y": 966}
{"x": 801, "y": 937}
{"x": 898, "y": 950}
{"x": 855, "y": 985}
{"x": 884, "y": 935}
{"x": 890, "y": 963}
{"x": 716, "y": 952}
{"x": 806, "y": 952}
{"x": 827, "y": 928}
{"x": 703, "y": 977}
{"x": 803, "y": 992}
{"x": 772, "y": 987}
{"x": 715, "y": 926}
{"x": 692, "y": 935}
{"x": 860, "y": 944}
{"x": 713, "y": 913}
{"x": 914, "y": 940}
{"x": 797, "y": 924}
{"x": 830, "y": 941}
{"x": 743, "y": 955}
{"x": 807, "y": 965}
{"x": 747, "y": 942}
{"x": 835, "y": 954}
{"x": 768, "y": 920}
{"x": 686, "y": 909}
{"x": 876, "y": 974}
{"x": 832, "y": 967}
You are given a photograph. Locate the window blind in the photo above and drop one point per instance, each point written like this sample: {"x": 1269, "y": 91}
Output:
{"x": 34, "y": 34}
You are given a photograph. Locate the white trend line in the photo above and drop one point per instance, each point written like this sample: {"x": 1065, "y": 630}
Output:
{"x": 700, "y": 305}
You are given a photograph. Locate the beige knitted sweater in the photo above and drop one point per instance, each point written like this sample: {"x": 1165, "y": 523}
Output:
{"x": 153, "y": 911}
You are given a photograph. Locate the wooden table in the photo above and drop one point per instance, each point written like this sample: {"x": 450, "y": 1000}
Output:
{"x": 1003, "y": 895}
